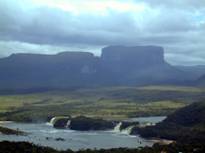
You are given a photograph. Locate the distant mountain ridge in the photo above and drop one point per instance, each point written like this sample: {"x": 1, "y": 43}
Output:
{"x": 118, "y": 65}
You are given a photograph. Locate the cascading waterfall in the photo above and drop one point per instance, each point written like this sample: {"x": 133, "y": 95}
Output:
{"x": 117, "y": 127}
{"x": 52, "y": 120}
{"x": 68, "y": 124}
{"x": 127, "y": 130}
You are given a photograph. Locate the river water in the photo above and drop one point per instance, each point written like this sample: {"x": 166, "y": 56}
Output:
{"x": 45, "y": 135}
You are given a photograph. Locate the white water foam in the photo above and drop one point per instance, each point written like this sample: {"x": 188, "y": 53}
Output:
{"x": 127, "y": 131}
{"x": 117, "y": 127}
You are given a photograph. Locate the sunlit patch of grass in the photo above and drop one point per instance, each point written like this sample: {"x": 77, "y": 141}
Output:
{"x": 113, "y": 102}
{"x": 174, "y": 88}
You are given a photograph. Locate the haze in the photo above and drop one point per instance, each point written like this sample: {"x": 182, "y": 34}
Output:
{"x": 51, "y": 26}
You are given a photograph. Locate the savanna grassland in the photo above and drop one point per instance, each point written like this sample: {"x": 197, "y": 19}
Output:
{"x": 108, "y": 103}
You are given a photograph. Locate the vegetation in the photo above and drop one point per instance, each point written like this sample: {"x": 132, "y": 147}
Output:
{"x": 185, "y": 125}
{"x": 24, "y": 147}
{"x": 85, "y": 124}
{"x": 8, "y": 131}
{"x": 107, "y": 103}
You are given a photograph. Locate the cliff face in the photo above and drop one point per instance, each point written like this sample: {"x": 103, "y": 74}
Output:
{"x": 118, "y": 65}
{"x": 139, "y": 65}
{"x": 120, "y": 58}
{"x": 63, "y": 70}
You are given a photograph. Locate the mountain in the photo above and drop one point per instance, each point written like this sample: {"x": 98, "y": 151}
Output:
{"x": 139, "y": 65}
{"x": 52, "y": 71}
{"x": 118, "y": 65}
{"x": 195, "y": 72}
{"x": 201, "y": 81}
{"x": 186, "y": 125}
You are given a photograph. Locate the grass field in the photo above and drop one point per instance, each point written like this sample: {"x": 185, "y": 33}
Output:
{"x": 107, "y": 103}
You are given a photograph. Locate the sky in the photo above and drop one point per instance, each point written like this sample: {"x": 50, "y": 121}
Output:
{"x": 52, "y": 26}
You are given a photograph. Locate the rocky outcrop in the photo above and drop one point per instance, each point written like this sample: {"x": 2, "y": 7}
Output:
{"x": 186, "y": 124}
{"x": 60, "y": 122}
{"x": 125, "y": 127}
{"x": 82, "y": 123}
{"x": 8, "y": 131}
{"x": 126, "y": 124}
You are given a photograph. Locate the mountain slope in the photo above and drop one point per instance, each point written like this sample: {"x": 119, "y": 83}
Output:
{"x": 195, "y": 72}
{"x": 185, "y": 125}
{"x": 201, "y": 81}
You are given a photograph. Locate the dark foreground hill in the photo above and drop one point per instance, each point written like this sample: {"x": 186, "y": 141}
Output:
{"x": 25, "y": 147}
{"x": 185, "y": 125}
{"x": 118, "y": 65}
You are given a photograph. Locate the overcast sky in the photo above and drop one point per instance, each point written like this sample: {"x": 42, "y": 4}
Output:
{"x": 50, "y": 26}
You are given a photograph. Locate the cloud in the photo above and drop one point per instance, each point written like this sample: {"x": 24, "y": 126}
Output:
{"x": 46, "y": 26}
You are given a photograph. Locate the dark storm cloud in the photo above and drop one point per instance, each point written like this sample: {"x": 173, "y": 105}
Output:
{"x": 55, "y": 26}
{"x": 178, "y": 26}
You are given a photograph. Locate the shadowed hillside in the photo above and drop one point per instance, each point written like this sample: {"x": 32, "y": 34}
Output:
{"x": 185, "y": 125}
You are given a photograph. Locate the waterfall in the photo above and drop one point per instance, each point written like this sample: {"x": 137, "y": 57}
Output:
{"x": 68, "y": 124}
{"x": 60, "y": 121}
{"x": 52, "y": 120}
{"x": 127, "y": 130}
{"x": 117, "y": 127}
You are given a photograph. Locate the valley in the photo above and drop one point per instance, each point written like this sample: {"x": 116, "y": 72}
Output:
{"x": 102, "y": 76}
{"x": 111, "y": 103}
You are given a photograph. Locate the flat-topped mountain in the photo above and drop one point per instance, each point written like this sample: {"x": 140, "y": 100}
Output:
{"x": 62, "y": 70}
{"x": 131, "y": 61}
{"x": 132, "y": 57}
{"x": 118, "y": 65}
{"x": 139, "y": 65}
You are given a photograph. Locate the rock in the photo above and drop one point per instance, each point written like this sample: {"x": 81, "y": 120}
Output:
{"x": 126, "y": 124}
{"x": 60, "y": 139}
{"x": 184, "y": 125}
{"x": 8, "y": 131}
{"x": 60, "y": 122}
{"x": 82, "y": 123}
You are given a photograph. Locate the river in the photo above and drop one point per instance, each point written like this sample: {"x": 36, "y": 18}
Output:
{"x": 45, "y": 135}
